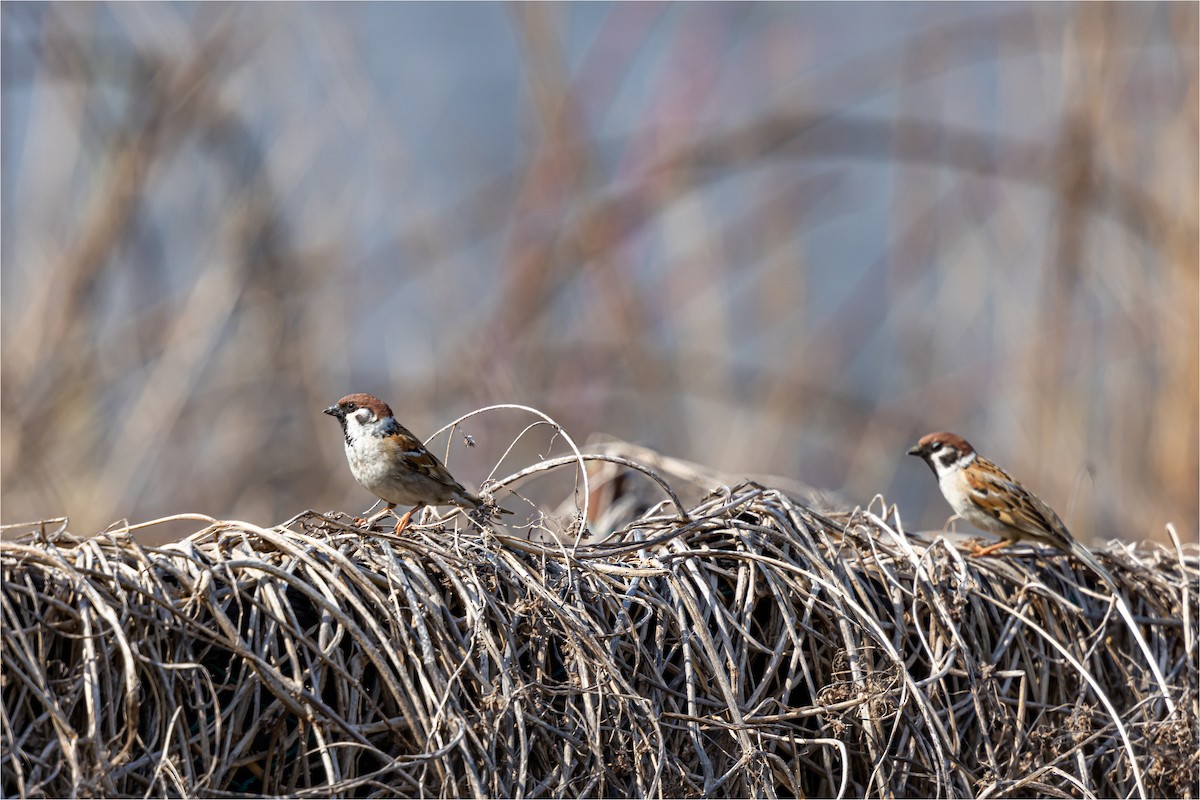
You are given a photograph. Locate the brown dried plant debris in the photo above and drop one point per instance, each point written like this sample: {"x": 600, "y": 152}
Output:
{"x": 745, "y": 645}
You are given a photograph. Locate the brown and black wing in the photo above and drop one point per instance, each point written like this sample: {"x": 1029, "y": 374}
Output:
{"x": 1007, "y": 501}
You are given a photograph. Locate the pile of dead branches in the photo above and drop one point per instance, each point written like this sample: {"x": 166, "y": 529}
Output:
{"x": 741, "y": 645}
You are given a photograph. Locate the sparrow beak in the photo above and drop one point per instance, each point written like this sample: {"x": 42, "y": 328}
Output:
{"x": 333, "y": 411}
{"x": 915, "y": 450}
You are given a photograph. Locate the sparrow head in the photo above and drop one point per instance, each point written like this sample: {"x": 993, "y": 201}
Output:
{"x": 943, "y": 452}
{"x": 356, "y": 411}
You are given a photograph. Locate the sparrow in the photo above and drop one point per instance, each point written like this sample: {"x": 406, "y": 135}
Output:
{"x": 392, "y": 464}
{"x": 988, "y": 498}
{"x": 991, "y": 500}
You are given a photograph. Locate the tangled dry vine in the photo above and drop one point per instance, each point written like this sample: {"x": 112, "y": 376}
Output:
{"x": 741, "y": 645}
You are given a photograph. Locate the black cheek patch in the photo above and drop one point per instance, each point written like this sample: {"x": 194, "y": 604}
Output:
{"x": 948, "y": 458}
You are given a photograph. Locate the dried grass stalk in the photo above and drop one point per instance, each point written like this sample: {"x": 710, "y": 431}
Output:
{"x": 752, "y": 647}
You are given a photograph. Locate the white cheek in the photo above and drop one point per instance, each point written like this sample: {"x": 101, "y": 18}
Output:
{"x": 355, "y": 423}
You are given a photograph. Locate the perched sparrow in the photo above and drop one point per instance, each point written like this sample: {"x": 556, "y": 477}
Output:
{"x": 985, "y": 496}
{"x": 391, "y": 463}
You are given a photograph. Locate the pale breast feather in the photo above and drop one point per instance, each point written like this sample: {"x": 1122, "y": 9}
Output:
{"x": 969, "y": 500}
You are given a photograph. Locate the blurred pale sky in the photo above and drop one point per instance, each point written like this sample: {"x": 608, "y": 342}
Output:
{"x": 771, "y": 238}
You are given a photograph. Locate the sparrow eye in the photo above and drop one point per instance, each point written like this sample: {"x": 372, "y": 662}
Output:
{"x": 936, "y": 446}
{"x": 351, "y": 406}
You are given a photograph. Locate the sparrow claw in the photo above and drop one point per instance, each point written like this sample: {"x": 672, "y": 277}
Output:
{"x": 402, "y": 523}
{"x": 977, "y": 551}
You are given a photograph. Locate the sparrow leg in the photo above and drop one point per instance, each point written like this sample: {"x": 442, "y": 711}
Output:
{"x": 369, "y": 521}
{"x": 402, "y": 523}
{"x": 991, "y": 548}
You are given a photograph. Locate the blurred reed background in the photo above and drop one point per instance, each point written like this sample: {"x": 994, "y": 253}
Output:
{"x": 768, "y": 238}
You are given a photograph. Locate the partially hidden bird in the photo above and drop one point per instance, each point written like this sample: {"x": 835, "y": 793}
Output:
{"x": 392, "y": 464}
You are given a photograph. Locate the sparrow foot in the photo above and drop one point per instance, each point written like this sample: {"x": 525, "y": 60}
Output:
{"x": 977, "y": 551}
{"x": 402, "y": 523}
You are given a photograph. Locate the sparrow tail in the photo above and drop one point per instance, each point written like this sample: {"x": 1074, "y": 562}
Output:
{"x": 474, "y": 502}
